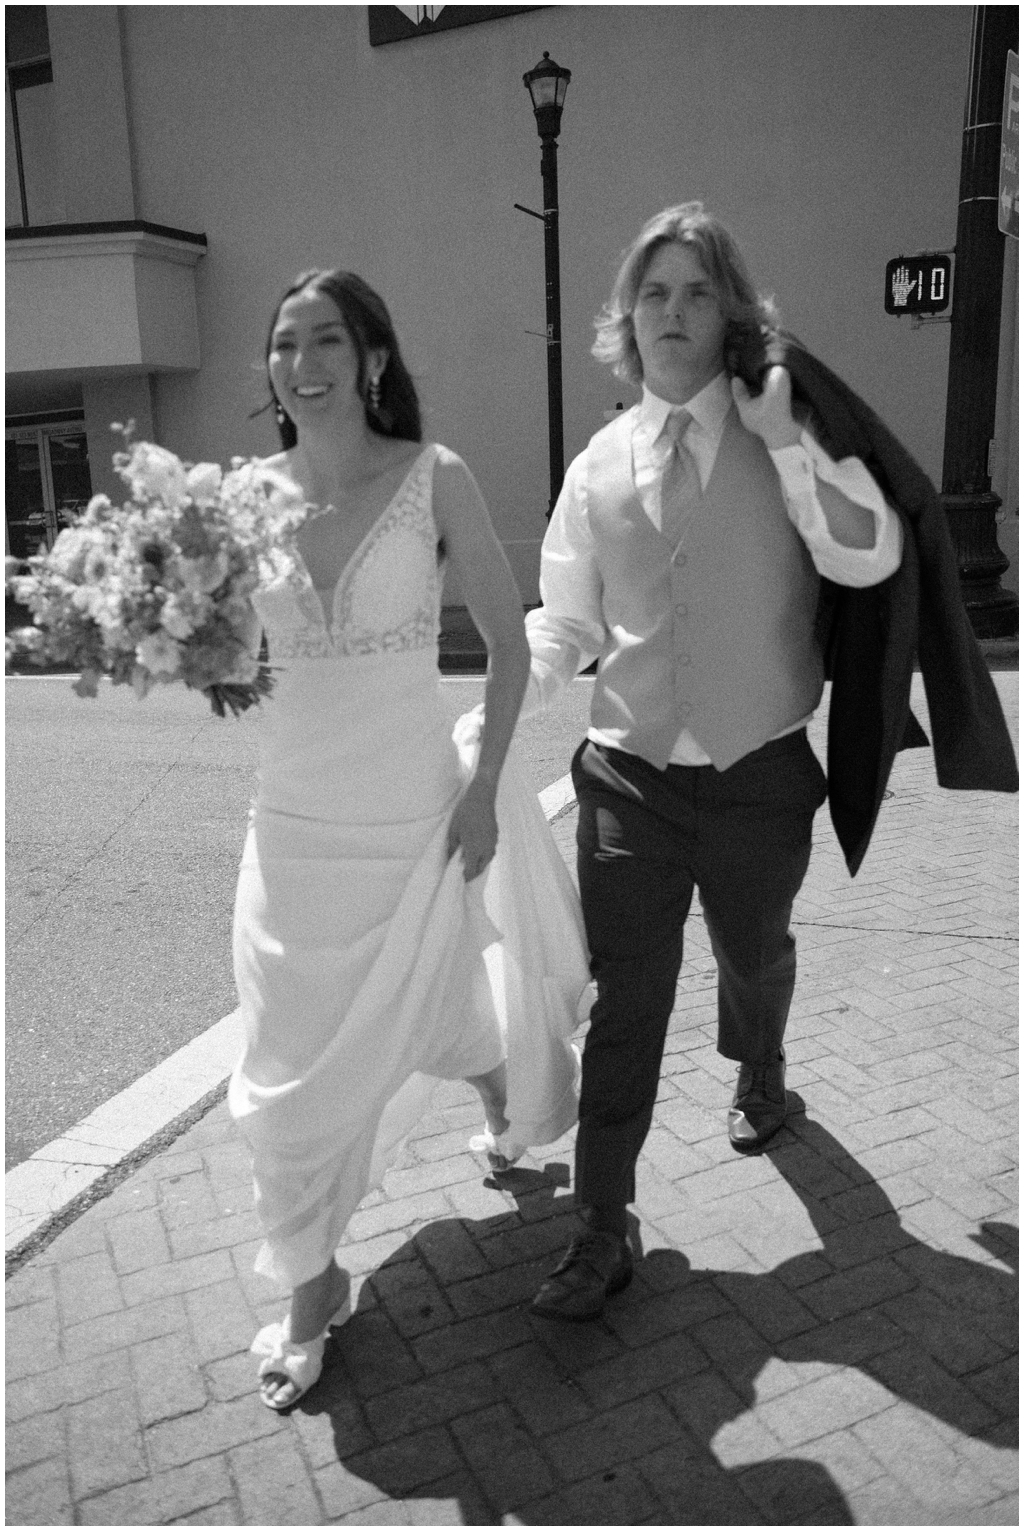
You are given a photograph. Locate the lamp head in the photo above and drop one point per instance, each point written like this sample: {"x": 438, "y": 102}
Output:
{"x": 547, "y": 83}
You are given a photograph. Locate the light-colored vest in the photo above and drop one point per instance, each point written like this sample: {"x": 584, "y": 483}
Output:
{"x": 718, "y": 640}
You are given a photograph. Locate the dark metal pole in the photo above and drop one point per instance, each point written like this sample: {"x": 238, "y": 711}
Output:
{"x": 16, "y": 135}
{"x": 553, "y": 298}
{"x": 967, "y": 493}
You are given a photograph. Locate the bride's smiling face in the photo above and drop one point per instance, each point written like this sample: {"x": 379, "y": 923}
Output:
{"x": 313, "y": 362}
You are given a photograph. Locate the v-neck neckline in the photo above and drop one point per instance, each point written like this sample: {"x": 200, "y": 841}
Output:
{"x": 328, "y": 620}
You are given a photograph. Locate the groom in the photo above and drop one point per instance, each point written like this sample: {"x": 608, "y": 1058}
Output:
{"x": 686, "y": 551}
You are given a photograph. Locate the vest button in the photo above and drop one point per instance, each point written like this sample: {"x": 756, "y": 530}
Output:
{"x": 679, "y": 559}
{"x": 681, "y": 611}
{"x": 683, "y": 658}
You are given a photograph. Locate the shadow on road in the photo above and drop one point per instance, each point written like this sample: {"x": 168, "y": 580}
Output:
{"x": 615, "y": 1422}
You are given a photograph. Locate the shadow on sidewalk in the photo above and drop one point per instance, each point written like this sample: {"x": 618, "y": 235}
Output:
{"x": 626, "y": 1410}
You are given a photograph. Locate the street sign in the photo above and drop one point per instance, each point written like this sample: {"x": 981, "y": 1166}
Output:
{"x": 917, "y": 284}
{"x": 1009, "y": 144}
{"x": 398, "y": 23}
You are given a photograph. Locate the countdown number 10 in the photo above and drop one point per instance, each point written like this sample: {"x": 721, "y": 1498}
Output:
{"x": 938, "y": 284}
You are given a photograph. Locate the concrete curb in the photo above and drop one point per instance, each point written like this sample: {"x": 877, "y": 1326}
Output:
{"x": 39, "y": 1191}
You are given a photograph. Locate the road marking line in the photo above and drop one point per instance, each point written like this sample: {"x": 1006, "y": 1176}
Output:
{"x": 37, "y": 1191}
{"x": 555, "y": 799}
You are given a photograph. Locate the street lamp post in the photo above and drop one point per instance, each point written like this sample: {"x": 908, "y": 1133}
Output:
{"x": 547, "y": 83}
{"x": 967, "y": 494}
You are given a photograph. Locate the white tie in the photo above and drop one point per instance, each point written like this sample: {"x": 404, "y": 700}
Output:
{"x": 680, "y": 484}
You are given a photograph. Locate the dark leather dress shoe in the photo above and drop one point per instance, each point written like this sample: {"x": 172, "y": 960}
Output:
{"x": 595, "y": 1267}
{"x": 758, "y": 1107}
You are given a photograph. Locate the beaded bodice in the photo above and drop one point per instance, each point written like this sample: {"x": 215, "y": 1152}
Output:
{"x": 388, "y": 596}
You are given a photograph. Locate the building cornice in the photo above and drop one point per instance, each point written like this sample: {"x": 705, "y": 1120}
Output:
{"x": 134, "y": 237}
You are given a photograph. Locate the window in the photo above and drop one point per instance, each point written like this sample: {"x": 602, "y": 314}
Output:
{"x": 47, "y": 484}
{"x": 34, "y": 185}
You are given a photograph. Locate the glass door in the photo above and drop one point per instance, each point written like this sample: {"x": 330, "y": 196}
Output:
{"x": 47, "y": 485}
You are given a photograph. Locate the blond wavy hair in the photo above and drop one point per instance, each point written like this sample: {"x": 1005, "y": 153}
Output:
{"x": 750, "y": 317}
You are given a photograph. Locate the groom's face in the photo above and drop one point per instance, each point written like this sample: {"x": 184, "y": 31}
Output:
{"x": 678, "y": 324}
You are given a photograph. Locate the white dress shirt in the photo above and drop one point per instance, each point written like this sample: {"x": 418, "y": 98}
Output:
{"x": 569, "y": 630}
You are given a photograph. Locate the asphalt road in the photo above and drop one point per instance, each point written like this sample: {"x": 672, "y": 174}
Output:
{"x": 125, "y": 823}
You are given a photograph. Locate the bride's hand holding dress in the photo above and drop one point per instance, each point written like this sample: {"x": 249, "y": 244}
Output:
{"x": 475, "y": 556}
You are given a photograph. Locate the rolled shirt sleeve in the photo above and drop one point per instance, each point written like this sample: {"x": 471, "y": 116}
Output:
{"x": 798, "y": 468}
{"x": 567, "y": 632}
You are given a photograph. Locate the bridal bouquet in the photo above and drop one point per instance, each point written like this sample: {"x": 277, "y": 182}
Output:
{"x": 156, "y": 589}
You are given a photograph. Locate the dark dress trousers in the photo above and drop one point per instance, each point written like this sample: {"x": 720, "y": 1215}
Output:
{"x": 646, "y": 839}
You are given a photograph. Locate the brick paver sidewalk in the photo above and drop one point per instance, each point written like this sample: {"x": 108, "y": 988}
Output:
{"x": 822, "y": 1335}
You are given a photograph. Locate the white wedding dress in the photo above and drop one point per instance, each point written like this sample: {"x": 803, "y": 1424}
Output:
{"x": 367, "y": 969}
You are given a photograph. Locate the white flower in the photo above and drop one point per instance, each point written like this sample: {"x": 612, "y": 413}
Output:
{"x": 30, "y": 640}
{"x": 69, "y": 552}
{"x": 87, "y": 598}
{"x": 183, "y": 613}
{"x": 256, "y": 477}
{"x": 285, "y": 494}
{"x": 203, "y": 482}
{"x": 153, "y": 473}
{"x": 116, "y": 636}
{"x": 175, "y": 621}
{"x": 203, "y": 575}
{"x": 159, "y": 654}
{"x": 23, "y": 587}
{"x": 279, "y": 566}
{"x": 99, "y": 563}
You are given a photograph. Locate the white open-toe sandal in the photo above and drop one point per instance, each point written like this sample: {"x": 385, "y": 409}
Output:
{"x": 501, "y": 1149}
{"x": 299, "y": 1364}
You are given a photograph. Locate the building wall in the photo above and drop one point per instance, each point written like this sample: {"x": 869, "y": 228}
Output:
{"x": 828, "y": 138}
{"x": 95, "y": 147}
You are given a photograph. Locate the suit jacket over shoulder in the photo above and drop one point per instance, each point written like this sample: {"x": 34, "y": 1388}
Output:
{"x": 870, "y": 636}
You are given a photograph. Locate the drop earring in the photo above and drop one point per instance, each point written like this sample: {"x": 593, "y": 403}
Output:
{"x": 374, "y": 392}
{"x": 279, "y": 414}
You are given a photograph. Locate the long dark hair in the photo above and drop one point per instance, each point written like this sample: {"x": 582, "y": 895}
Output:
{"x": 369, "y": 325}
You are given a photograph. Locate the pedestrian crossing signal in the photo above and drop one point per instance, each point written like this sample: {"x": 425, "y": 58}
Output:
{"x": 918, "y": 284}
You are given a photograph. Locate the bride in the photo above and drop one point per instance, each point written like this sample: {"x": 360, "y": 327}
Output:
{"x": 402, "y": 914}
